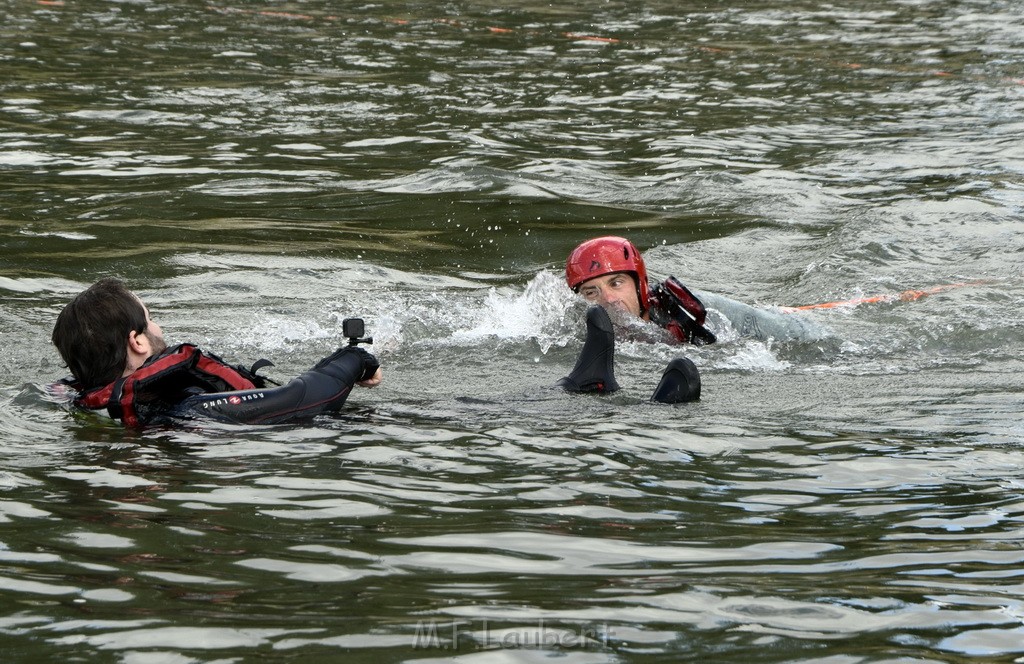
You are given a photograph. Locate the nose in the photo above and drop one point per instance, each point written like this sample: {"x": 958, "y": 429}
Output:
{"x": 608, "y": 296}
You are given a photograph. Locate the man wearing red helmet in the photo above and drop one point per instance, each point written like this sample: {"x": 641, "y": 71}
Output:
{"x": 609, "y": 271}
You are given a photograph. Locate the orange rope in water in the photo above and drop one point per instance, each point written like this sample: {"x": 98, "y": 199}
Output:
{"x": 905, "y": 296}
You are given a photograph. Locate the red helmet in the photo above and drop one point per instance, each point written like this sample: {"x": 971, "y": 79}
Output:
{"x": 605, "y": 255}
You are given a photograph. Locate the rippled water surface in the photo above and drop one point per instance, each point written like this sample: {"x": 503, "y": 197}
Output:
{"x": 259, "y": 171}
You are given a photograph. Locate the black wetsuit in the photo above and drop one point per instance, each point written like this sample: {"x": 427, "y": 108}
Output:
{"x": 185, "y": 383}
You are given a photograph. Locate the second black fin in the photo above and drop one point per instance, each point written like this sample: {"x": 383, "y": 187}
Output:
{"x": 680, "y": 382}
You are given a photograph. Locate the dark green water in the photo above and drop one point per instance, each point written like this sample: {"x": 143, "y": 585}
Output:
{"x": 258, "y": 171}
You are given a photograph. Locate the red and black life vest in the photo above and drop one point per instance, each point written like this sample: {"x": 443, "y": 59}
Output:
{"x": 679, "y": 311}
{"x": 163, "y": 381}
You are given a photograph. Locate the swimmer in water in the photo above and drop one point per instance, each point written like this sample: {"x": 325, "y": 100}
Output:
{"x": 121, "y": 365}
{"x": 610, "y": 272}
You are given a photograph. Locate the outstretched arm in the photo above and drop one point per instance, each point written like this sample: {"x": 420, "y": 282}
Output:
{"x": 322, "y": 389}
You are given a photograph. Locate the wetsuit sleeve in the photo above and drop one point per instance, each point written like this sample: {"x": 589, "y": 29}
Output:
{"x": 322, "y": 389}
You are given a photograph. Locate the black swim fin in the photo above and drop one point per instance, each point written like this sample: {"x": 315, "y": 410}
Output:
{"x": 680, "y": 382}
{"x": 595, "y": 368}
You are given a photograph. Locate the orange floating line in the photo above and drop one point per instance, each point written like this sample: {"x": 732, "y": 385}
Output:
{"x": 501, "y": 31}
{"x": 905, "y": 296}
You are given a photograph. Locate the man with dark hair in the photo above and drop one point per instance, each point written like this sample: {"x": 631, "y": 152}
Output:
{"x": 120, "y": 363}
{"x": 90, "y": 334}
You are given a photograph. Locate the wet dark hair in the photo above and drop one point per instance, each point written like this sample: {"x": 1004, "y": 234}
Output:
{"x": 91, "y": 332}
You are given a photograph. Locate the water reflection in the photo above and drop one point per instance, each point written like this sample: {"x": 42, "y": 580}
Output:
{"x": 258, "y": 173}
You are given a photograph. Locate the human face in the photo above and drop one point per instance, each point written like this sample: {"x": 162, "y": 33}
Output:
{"x": 143, "y": 345}
{"x": 154, "y": 335}
{"x": 616, "y": 290}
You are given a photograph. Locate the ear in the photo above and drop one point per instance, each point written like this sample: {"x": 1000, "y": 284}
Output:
{"x": 138, "y": 343}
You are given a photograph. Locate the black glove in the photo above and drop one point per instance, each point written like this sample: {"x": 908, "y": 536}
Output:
{"x": 349, "y": 364}
{"x": 370, "y": 365}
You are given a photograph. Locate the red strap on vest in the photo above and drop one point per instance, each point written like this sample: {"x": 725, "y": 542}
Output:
{"x": 212, "y": 367}
{"x": 680, "y": 312}
{"x": 686, "y": 299}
